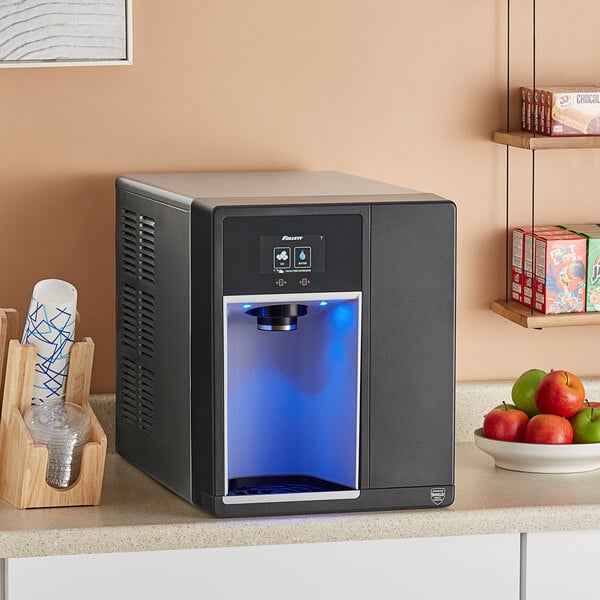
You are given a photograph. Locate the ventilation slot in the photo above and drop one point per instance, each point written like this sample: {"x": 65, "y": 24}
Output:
{"x": 137, "y": 320}
{"x": 147, "y": 240}
{"x": 146, "y": 324}
{"x": 129, "y": 392}
{"x": 129, "y": 317}
{"x": 138, "y": 239}
{"x": 146, "y": 400}
{"x": 137, "y": 396}
{"x": 129, "y": 243}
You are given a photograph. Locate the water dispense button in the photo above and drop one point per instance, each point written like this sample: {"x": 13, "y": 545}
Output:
{"x": 304, "y": 282}
{"x": 302, "y": 257}
{"x": 282, "y": 258}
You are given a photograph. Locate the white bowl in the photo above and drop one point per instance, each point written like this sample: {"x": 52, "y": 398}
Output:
{"x": 540, "y": 458}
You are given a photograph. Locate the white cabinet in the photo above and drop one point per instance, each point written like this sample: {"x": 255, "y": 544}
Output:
{"x": 562, "y": 565}
{"x": 472, "y": 567}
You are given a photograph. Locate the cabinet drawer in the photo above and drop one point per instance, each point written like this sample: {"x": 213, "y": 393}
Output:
{"x": 420, "y": 569}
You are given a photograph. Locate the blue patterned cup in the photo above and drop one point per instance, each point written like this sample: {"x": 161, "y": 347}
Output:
{"x": 50, "y": 327}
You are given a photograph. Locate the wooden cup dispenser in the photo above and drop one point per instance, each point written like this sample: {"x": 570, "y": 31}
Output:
{"x": 22, "y": 462}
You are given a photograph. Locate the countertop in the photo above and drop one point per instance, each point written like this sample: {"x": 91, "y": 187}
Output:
{"x": 137, "y": 514}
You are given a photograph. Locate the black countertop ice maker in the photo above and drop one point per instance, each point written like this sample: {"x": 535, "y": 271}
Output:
{"x": 286, "y": 340}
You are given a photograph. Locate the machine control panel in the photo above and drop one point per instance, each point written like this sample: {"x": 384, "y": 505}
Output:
{"x": 302, "y": 254}
{"x": 274, "y": 254}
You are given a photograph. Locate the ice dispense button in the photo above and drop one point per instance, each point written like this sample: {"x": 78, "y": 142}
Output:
{"x": 282, "y": 257}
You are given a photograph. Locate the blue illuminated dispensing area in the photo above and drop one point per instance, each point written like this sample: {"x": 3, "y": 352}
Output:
{"x": 292, "y": 399}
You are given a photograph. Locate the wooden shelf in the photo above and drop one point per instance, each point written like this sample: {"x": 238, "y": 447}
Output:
{"x": 528, "y": 141}
{"x": 522, "y": 315}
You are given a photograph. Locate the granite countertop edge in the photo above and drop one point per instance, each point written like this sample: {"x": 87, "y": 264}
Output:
{"x": 138, "y": 514}
{"x": 350, "y": 527}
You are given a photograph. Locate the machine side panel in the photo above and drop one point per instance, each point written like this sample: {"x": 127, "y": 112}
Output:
{"x": 153, "y": 364}
{"x": 412, "y": 345}
{"x": 206, "y": 429}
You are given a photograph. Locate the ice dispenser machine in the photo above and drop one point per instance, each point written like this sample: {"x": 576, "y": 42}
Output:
{"x": 285, "y": 340}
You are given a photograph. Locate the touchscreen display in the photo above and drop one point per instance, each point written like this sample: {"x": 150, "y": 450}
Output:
{"x": 292, "y": 253}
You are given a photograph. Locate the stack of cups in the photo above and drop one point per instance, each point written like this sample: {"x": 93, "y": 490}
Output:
{"x": 61, "y": 426}
{"x": 50, "y": 327}
{"x": 64, "y": 429}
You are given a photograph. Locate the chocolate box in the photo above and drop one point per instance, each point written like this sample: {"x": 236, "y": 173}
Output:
{"x": 561, "y": 110}
{"x": 572, "y": 110}
{"x": 526, "y": 109}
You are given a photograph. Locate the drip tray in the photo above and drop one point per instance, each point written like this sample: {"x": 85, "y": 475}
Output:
{"x": 281, "y": 484}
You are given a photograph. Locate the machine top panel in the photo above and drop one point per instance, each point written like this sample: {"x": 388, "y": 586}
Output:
{"x": 264, "y": 188}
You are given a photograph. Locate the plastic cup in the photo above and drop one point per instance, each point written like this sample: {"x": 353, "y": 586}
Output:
{"x": 63, "y": 429}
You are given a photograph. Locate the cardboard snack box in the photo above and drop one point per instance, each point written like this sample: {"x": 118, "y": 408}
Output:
{"x": 522, "y": 267}
{"x": 561, "y": 110}
{"x": 582, "y": 228}
{"x": 572, "y": 110}
{"x": 560, "y": 273}
{"x": 593, "y": 272}
{"x": 526, "y": 109}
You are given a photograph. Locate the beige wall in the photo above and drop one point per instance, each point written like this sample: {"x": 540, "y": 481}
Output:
{"x": 405, "y": 92}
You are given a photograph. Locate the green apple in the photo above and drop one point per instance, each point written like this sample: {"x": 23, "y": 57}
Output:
{"x": 523, "y": 391}
{"x": 586, "y": 425}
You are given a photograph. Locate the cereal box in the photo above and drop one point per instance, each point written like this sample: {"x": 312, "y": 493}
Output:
{"x": 591, "y": 231}
{"x": 582, "y": 228}
{"x": 523, "y": 262}
{"x": 516, "y": 278}
{"x": 560, "y": 273}
{"x": 593, "y": 271}
{"x": 517, "y": 264}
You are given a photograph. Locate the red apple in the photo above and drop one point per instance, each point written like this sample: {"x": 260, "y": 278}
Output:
{"x": 505, "y": 423}
{"x": 549, "y": 429}
{"x": 560, "y": 393}
{"x": 505, "y": 406}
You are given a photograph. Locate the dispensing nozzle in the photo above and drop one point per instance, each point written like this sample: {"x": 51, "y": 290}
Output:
{"x": 278, "y": 317}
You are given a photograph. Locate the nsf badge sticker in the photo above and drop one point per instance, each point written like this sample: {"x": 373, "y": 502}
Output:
{"x": 437, "y": 495}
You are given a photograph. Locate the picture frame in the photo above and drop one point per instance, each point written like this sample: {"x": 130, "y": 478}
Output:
{"x": 46, "y": 33}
